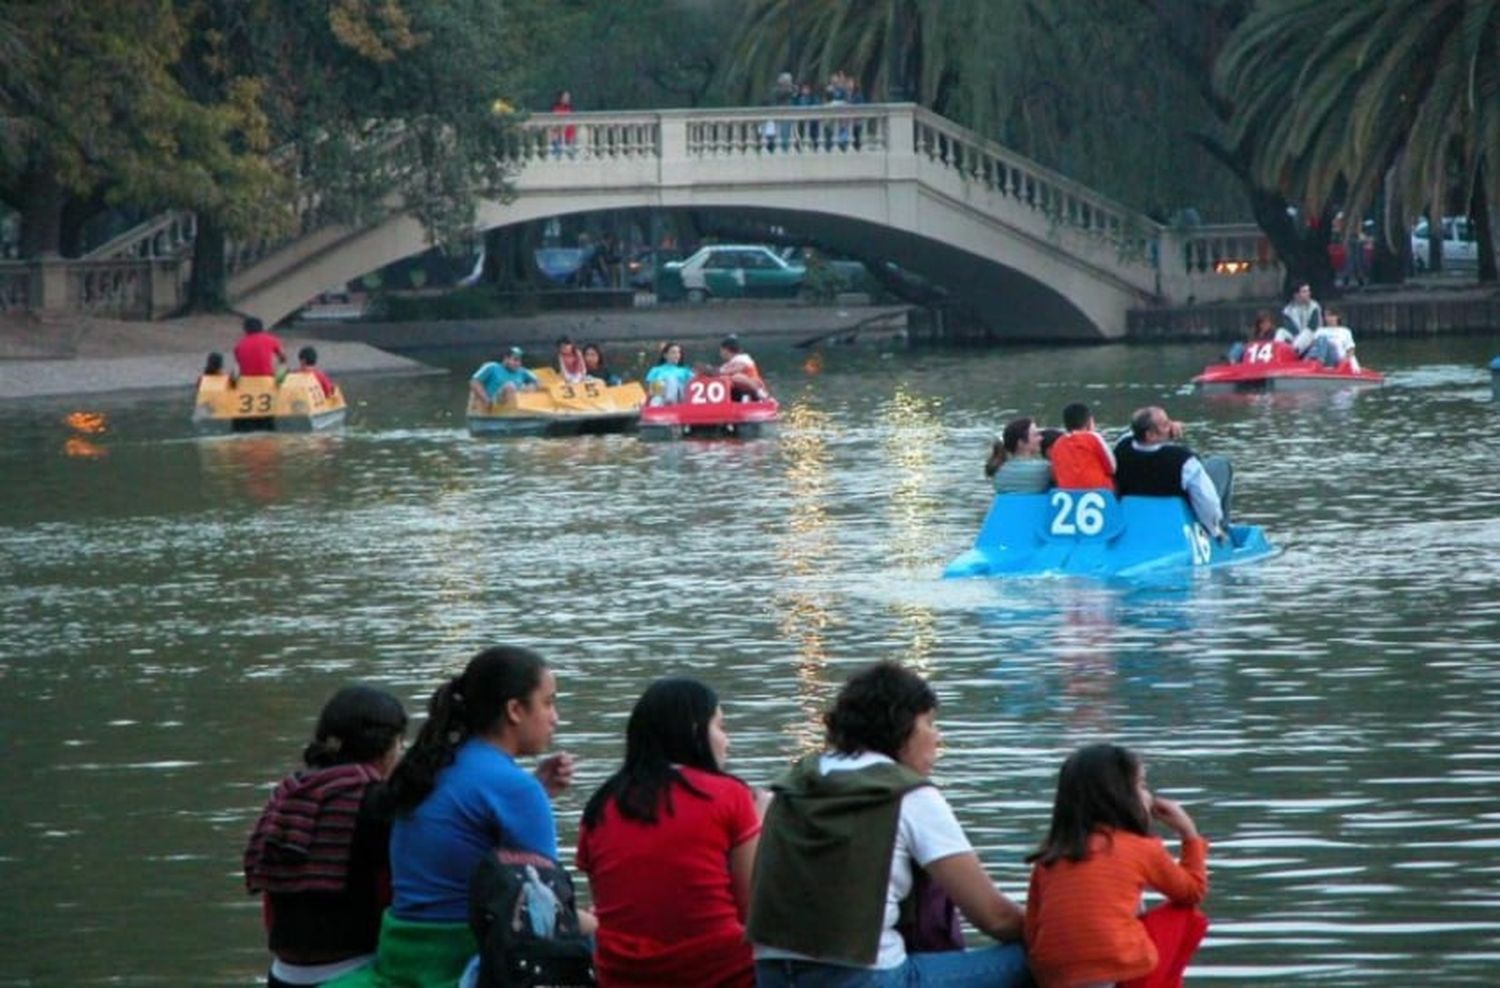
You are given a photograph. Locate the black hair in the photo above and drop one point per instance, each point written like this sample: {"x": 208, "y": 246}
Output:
{"x": 470, "y": 704}
{"x": 596, "y": 348}
{"x": 564, "y": 339}
{"x": 358, "y": 724}
{"x": 668, "y": 728}
{"x": 1015, "y": 433}
{"x": 1050, "y": 435}
{"x": 1075, "y": 416}
{"x": 308, "y": 355}
{"x": 877, "y": 710}
{"x": 731, "y": 343}
{"x": 253, "y": 325}
{"x": 1095, "y": 789}
{"x": 214, "y": 364}
{"x": 661, "y": 356}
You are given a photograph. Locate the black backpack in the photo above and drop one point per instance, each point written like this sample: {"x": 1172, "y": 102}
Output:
{"x": 509, "y": 892}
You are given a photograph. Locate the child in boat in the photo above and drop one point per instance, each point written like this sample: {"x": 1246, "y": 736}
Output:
{"x": 595, "y": 366}
{"x": 1082, "y": 460}
{"x": 1332, "y": 344}
{"x": 666, "y": 383}
{"x": 213, "y": 366}
{"x": 570, "y": 362}
{"x": 318, "y": 855}
{"x": 307, "y": 363}
{"x": 1083, "y": 920}
{"x": 1264, "y": 347}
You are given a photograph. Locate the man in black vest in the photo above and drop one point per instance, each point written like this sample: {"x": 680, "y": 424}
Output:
{"x": 1149, "y": 462}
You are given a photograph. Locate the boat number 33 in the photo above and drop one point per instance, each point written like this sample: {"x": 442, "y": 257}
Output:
{"x": 255, "y": 403}
{"x": 1082, "y": 514}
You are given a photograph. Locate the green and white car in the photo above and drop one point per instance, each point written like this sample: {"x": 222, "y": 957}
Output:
{"x": 730, "y": 271}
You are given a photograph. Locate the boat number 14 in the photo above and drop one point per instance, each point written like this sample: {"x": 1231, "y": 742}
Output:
{"x": 1081, "y": 515}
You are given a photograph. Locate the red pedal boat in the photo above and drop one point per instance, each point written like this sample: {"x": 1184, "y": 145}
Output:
{"x": 707, "y": 412}
{"x": 1284, "y": 375}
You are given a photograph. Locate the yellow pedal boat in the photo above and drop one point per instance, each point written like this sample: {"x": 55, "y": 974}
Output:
{"x": 259, "y": 404}
{"x": 559, "y": 409}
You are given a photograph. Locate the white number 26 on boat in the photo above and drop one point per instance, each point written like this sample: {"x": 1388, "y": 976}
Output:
{"x": 1081, "y": 514}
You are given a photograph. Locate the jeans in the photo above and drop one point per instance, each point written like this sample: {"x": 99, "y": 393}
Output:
{"x": 1000, "y": 966}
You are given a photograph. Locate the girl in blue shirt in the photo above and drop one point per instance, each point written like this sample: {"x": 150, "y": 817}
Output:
{"x": 666, "y": 383}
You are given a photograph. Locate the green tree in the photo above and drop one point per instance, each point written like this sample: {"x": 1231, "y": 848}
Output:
{"x": 1350, "y": 103}
{"x": 96, "y": 112}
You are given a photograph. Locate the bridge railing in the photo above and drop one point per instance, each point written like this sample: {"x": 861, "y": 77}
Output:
{"x": 123, "y": 288}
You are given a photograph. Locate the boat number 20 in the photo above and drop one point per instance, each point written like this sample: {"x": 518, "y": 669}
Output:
{"x": 1080, "y": 515}
{"x": 712, "y": 392}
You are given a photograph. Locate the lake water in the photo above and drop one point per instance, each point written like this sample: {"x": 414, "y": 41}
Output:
{"x": 175, "y": 610}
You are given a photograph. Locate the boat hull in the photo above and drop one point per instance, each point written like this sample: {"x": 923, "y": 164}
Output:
{"x": 259, "y": 404}
{"x": 559, "y": 409}
{"x": 1302, "y": 375}
{"x": 1092, "y": 533}
{"x": 708, "y": 411}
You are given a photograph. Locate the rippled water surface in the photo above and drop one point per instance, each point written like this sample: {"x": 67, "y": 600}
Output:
{"x": 174, "y": 611}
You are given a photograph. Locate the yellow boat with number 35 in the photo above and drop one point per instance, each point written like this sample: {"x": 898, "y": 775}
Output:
{"x": 558, "y": 408}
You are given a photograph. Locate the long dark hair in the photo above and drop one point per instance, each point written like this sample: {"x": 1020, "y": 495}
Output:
{"x": 668, "y": 728}
{"x": 470, "y": 704}
{"x": 1095, "y": 789}
{"x": 877, "y": 710}
{"x": 358, "y": 724}
{"x": 1016, "y": 432}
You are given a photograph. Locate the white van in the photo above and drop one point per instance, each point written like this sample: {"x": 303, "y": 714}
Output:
{"x": 1460, "y": 249}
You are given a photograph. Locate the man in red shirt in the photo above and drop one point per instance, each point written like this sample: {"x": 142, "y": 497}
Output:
{"x": 258, "y": 352}
{"x": 307, "y": 363}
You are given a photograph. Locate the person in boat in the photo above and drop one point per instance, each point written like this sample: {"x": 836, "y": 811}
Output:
{"x": 457, "y": 795}
{"x": 1016, "y": 464}
{"x": 1300, "y": 319}
{"x": 745, "y": 382}
{"x": 1084, "y": 924}
{"x": 1149, "y": 461}
{"x": 1050, "y": 436}
{"x": 570, "y": 363}
{"x": 213, "y": 366}
{"x": 494, "y": 381}
{"x": 318, "y": 853}
{"x": 307, "y": 362}
{"x": 1081, "y": 460}
{"x": 668, "y": 843}
{"x": 666, "y": 382}
{"x": 593, "y": 360}
{"x": 1264, "y": 347}
{"x": 1333, "y": 343}
{"x": 849, "y": 833}
{"x": 258, "y": 352}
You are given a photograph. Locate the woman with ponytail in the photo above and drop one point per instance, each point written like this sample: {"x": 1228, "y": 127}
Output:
{"x": 458, "y": 795}
{"x": 668, "y": 843}
{"x": 317, "y": 855}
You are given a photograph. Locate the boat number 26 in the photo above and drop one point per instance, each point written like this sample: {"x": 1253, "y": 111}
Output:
{"x": 710, "y": 392}
{"x": 1081, "y": 514}
{"x": 255, "y": 403}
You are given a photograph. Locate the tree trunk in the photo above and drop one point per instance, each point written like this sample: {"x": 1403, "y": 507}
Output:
{"x": 42, "y": 199}
{"x": 1435, "y": 237}
{"x": 207, "y": 287}
{"x": 1484, "y": 230}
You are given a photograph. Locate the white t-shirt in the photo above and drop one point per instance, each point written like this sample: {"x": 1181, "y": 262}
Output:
{"x": 926, "y": 831}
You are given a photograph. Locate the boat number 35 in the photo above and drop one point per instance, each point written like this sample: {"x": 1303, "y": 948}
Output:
{"x": 1077, "y": 514}
{"x": 590, "y": 390}
{"x": 710, "y": 392}
{"x": 256, "y": 403}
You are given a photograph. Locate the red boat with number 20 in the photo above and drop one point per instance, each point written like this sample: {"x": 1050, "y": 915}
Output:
{"x": 708, "y": 411}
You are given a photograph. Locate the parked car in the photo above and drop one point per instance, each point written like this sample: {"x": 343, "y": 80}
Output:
{"x": 1460, "y": 249}
{"x": 729, "y": 271}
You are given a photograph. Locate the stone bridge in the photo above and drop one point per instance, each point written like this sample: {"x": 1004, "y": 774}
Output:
{"x": 1033, "y": 253}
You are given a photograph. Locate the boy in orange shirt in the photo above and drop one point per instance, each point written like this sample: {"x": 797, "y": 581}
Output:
{"x": 1081, "y": 460}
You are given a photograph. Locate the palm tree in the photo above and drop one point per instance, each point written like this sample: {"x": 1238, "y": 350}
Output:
{"x": 1350, "y": 103}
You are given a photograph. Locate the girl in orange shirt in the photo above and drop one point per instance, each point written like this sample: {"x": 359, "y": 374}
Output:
{"x": 1083, "y": 923}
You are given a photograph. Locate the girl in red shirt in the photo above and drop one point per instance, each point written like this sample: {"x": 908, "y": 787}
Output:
{"x": 1083, "y": 926}
{"x": 668, "y": 843}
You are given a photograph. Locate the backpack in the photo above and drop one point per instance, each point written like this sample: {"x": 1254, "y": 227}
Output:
{"x": 523, "y": 914}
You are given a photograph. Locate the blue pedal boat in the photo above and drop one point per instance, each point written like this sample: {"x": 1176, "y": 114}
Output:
{"x": 1093, "y": 533}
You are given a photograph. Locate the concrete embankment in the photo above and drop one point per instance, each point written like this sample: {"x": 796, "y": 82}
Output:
{"x": 1407, "y": 310}
{"x": 689, "y": 324}
{"x": 55, "y": 358}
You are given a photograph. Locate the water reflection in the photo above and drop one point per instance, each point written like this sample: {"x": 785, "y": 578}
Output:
{"x": 913, "y": 433}
{"x": 85, "y": 424}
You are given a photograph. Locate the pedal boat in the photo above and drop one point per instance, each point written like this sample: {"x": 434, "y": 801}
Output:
{"x": 707, "y": 412}
{"x": 260, "y": 404}
{"x": 1292, "y": 375}
{"x": 559, "y": 409}
{"x": 1093, "y": 533}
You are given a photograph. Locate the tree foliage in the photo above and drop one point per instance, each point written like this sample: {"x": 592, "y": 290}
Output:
{"x": 1342, "y": 100}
